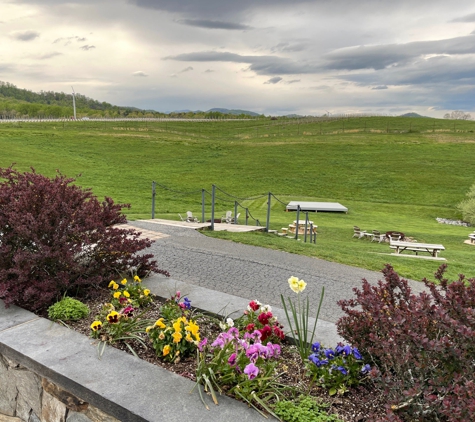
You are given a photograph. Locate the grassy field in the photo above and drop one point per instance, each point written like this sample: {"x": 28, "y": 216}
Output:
{"x": 392, "y": 174}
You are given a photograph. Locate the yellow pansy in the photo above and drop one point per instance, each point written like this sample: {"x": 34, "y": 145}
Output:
{"x": 197, "y": 337}
{"x": 146, "y": 292}
{"x": 115, "y": 286}
{"x": 124, "y": 282}
{"x": 137, "y": 279}
{"x": 177, "y": 325}
{"x": 117, "y": 295}
{"x": 160, "y": 323}
{"x": 150, "y": 327}
{"x": 188, "y": 337}
{"x": 177, "y": 337}
{"x": 113, "y": 317}
{"x": 126, "y": 293}
{"x": 193, "y": 328}
{"x": 96, "y": 325}
{"x": 111, "y": 283}
{"x": 161, "y": 336}
{"x": 166, "y": 350}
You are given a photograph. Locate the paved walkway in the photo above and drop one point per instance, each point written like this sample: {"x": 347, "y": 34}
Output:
{"x": 252, "y": 272}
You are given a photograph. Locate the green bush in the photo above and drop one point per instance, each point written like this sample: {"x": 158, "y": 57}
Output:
{"x": 305, "y": 409}
{"x": 68, "y": 309}
{"x": 467, "y": 206}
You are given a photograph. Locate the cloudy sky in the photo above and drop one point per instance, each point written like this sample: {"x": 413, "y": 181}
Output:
{"x": 269, "y": 56}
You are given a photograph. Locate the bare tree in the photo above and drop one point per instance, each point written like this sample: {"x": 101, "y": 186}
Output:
{"x": 458, "y": 115}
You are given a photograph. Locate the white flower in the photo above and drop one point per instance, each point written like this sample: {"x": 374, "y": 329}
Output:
{"x": 223, "y": 326}
{"x": 230, "y": 322}
{"x": 266, "y": 308}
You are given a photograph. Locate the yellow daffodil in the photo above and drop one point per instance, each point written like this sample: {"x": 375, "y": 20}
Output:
{"x": 302, "y": 285}
{"x": 193, "y": 328}
{"x": 150, "y": 327}
{"x": 177, "y": 325}
{"x": 177, "y": 337}
{"x": 294, "y": 284}
{"x": 117, "y": 294}
{"x": 96, "y": 325}
{"x": 137, "y": 279}
{"x": 197, "y": 338}
{"x": 160, "y": 323}
{"x": 124, "y": 282}
{"x": 188, "y": 337}
{"x": 166, "y": 350}
{"x": 126, "y": 293}
{"x": 146, "y": 292}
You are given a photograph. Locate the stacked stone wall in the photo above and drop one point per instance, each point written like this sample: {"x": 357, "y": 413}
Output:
{"x": 28, "y": 397}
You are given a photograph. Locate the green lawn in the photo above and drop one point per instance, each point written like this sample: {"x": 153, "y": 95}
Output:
{"x": 392, "y": 174}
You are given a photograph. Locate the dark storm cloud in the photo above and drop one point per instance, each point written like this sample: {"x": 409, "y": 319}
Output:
{"x": 262, "y": 65}
{"x": 466, "y": 18}
{"x": 211, "y": 24}
{"x": 209, "y": 7}
{"x": 274, "y": 80}
{"x": 381, "y": 56}
{"x": 25, "y": 35}
{"x": 437, "y": 70}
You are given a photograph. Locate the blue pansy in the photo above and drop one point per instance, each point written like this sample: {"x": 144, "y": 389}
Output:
{"x": 357, "y": 354}
{"x": 315, "y": 347}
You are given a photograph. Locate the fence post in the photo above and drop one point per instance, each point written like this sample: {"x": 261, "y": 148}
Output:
{"x": 202, "y": 205}
{"x": 212, "y": 207}
{"x": 306, "y": 221}
{"x": 153, "y": 200}
{"x": 235, "y": 211}
{"x": 268, "y": 212}
{"x": 297, "y": 223}
{"x": 247, "y": 215}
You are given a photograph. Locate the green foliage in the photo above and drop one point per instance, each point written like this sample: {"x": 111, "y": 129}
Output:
{"x": 299, "y": 322}
{"x": 373, "y": 172}
{"x": 467, "y": 206}
{"x": 303, "y": 409}
{"x": 68, "y": 309}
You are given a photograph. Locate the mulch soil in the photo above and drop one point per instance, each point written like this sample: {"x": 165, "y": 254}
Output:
{"x": 359, "y": 404}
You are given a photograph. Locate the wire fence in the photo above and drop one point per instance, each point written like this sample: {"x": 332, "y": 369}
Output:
{"x": 301, "y": 226}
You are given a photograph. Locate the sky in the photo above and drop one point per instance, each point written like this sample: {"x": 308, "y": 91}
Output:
{"x": 272, "y": 57}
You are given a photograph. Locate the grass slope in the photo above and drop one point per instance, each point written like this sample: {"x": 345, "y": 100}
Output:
{"x": 392, "y": 174}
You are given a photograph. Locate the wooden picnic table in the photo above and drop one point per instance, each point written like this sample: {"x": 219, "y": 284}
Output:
{"x": 432, "y": 249}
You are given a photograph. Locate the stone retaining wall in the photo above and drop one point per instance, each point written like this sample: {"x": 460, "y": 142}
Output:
{"x": 28, "y": 397}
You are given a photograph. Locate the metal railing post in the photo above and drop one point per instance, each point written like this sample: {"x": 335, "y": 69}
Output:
{"x": 297, "y": 223}
{"x": 306, "y": 222}
{"x": 202, "y": 205}
{"x": 268, "y": 212}
{"x": 235, "y": 211}
{"x": 212, "y": 207}
{"x": 153, "y": 200}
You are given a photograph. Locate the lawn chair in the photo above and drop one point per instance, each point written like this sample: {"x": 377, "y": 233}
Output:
{"x": 190, "y": 218}
{"x": 227, "y": 218}
{"x": 377, "y": 235}
{"x": 234, "y": 220}
{"x": 357, "y": 232}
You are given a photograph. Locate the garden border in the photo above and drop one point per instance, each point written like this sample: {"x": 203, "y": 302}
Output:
{"x": 119, "y": 384}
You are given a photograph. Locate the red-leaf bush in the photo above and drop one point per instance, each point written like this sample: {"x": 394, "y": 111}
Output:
{"x": 56, "y": 236}
{"x": 423, "y": 345}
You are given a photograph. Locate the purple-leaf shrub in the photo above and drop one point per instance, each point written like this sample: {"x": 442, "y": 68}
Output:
{"x": 55, "y": 236}
{"x": 423, "y": 345}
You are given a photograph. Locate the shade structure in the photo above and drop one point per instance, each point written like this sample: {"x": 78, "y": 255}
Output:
{"x": 316, "y": 206}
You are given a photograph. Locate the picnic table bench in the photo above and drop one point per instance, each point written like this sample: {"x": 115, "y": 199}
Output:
{"x": 432, "y": 249}
{"x": 471, "y": 236}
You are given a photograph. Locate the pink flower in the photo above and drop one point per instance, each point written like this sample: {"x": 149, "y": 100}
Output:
{"x": 232, "y": 359}
{"x": 251, "y": 371}
{"x": 253, "y": 305}
{"x": 266, "y": 332}
{"x": 250, "y": 327}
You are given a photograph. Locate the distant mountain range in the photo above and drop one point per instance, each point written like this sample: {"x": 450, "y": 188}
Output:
{"x": 218, "y": 110}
